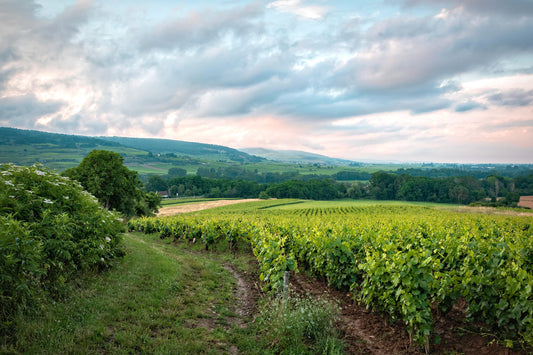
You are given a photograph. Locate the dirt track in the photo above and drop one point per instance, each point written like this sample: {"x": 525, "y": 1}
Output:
{"x": 192, "y": 207}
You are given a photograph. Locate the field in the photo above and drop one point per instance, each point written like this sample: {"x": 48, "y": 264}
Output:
{"x": 373, "y": 277}
{"x": 526, "y": 201}
{"x": 412, "y": 263}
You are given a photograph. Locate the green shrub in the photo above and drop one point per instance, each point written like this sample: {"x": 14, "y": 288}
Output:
{"x": 50, "y": 228}
{"x": 301, "y": 325}
{"x": 21, "y": 268}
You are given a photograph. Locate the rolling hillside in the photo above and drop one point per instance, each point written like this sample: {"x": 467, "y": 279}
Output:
{"x": 297, "y": 157}
{"x": 62, "y": 151}
{"x": 198, "y": 150}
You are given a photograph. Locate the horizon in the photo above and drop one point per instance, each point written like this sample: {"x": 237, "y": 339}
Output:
{"x": 244, "y": 150}
{"x": 435, "y": 81}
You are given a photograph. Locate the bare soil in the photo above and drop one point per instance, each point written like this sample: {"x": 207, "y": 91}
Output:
{"x": 367, "y": 332}
{"x": 492, "y": 210}
{"x": 193, "y": 207}
{"x": 526, "y": 201}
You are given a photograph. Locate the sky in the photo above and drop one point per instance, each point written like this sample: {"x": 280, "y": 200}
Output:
{"x": 391, "y": 80}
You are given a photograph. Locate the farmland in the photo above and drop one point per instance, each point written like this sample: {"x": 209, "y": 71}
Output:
{"x": 411, "y": 263}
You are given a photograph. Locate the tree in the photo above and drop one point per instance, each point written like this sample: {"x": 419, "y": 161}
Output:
{"x": 103, "y": 174}
{"x": 156, "y": 183}
{"x": 172, "y": 172}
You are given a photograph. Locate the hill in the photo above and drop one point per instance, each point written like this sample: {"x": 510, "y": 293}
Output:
{"x": 297, "y": 157}
{"x": 57, "y": 151}
{"x": 198, "y": 150}
{"x": 63, "y": 151}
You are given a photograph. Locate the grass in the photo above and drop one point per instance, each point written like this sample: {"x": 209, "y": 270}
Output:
{"x": 289, "y": 322}
{"x": 157, "y": 300}
{"x": 165, "y": 298}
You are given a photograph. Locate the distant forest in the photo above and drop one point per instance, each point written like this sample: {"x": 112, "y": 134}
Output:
{"x": 495, "y": 190}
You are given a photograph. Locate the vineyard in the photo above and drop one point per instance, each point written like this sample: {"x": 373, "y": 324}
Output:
{"x": 407, "y": 262}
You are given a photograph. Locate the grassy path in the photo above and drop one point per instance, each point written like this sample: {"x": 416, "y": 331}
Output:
{"x": 159, "y": 299}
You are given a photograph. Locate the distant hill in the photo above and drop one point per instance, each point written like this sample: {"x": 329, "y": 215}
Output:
{"x": 197, "y": 150}
{"x": 296, "y": 156}
{"x": 63, "y": 151}
{"x": 57, "y": 151}
{"x": 15, "y": 136}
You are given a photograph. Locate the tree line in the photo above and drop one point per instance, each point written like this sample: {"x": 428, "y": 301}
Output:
{"x": 103, "y": 174}
{"x": 381, "y": 186}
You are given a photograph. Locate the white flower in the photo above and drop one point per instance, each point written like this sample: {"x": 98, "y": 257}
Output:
{"x": 66, "y": 197}
{"x": 48, "y": 201}
{"x": 107, "y": 239}
{"x": 102, "y": 246}
{"x": 102, "y": 259}
{"x": 39, "y": 172}
{"x": 9, "y": 183}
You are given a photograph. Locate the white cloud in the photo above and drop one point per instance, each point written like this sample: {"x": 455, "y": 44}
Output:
{"x": 312, "y": 12}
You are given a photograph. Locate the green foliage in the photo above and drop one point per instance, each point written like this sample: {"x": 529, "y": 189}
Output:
{"x": 103, "y": 174}
{"x": 300, "y": 325}
{"x": 51, "y": 229}
{"x": 21, "y": 269}
{"x": 407, "y": 262}
{"x": 263, "y": 195}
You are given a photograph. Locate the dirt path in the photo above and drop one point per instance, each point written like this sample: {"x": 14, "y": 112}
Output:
{"x": 192, "y": 207}
{"x": 366, "y": 332}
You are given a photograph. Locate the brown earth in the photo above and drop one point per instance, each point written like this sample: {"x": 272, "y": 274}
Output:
{"x": 367, "y": 332}
{"x": 193, "y": 207}
{"x": 526, "y": 201}
{"x": 490, "y": 210}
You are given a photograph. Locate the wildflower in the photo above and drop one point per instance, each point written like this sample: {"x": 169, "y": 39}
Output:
{"x": 9, "y": 183}
{"x": 107, "y": 239}
{"x": 102, "y": 246}
{"x": 48, "y": 201}
{"x": 102, "y": 259}
{"x": 40, "y": 173}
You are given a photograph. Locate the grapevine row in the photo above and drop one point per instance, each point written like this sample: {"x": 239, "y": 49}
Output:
{"x": 407, "y": 262}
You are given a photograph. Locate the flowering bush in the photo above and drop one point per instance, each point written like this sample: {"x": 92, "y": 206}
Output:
{"x": 50, "y": 228}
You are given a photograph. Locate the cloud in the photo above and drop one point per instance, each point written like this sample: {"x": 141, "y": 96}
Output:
{"x": 199, "y": 29}
{"x": 468, "y": 106}
{"x": 25, "y": 110}
{"x": 405, "y": 52}
{"x": 312, "y": 12}
{"x": 245, "y": 72}
{"x": 516, "y": 97}
{"x": 493, "y": 7}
